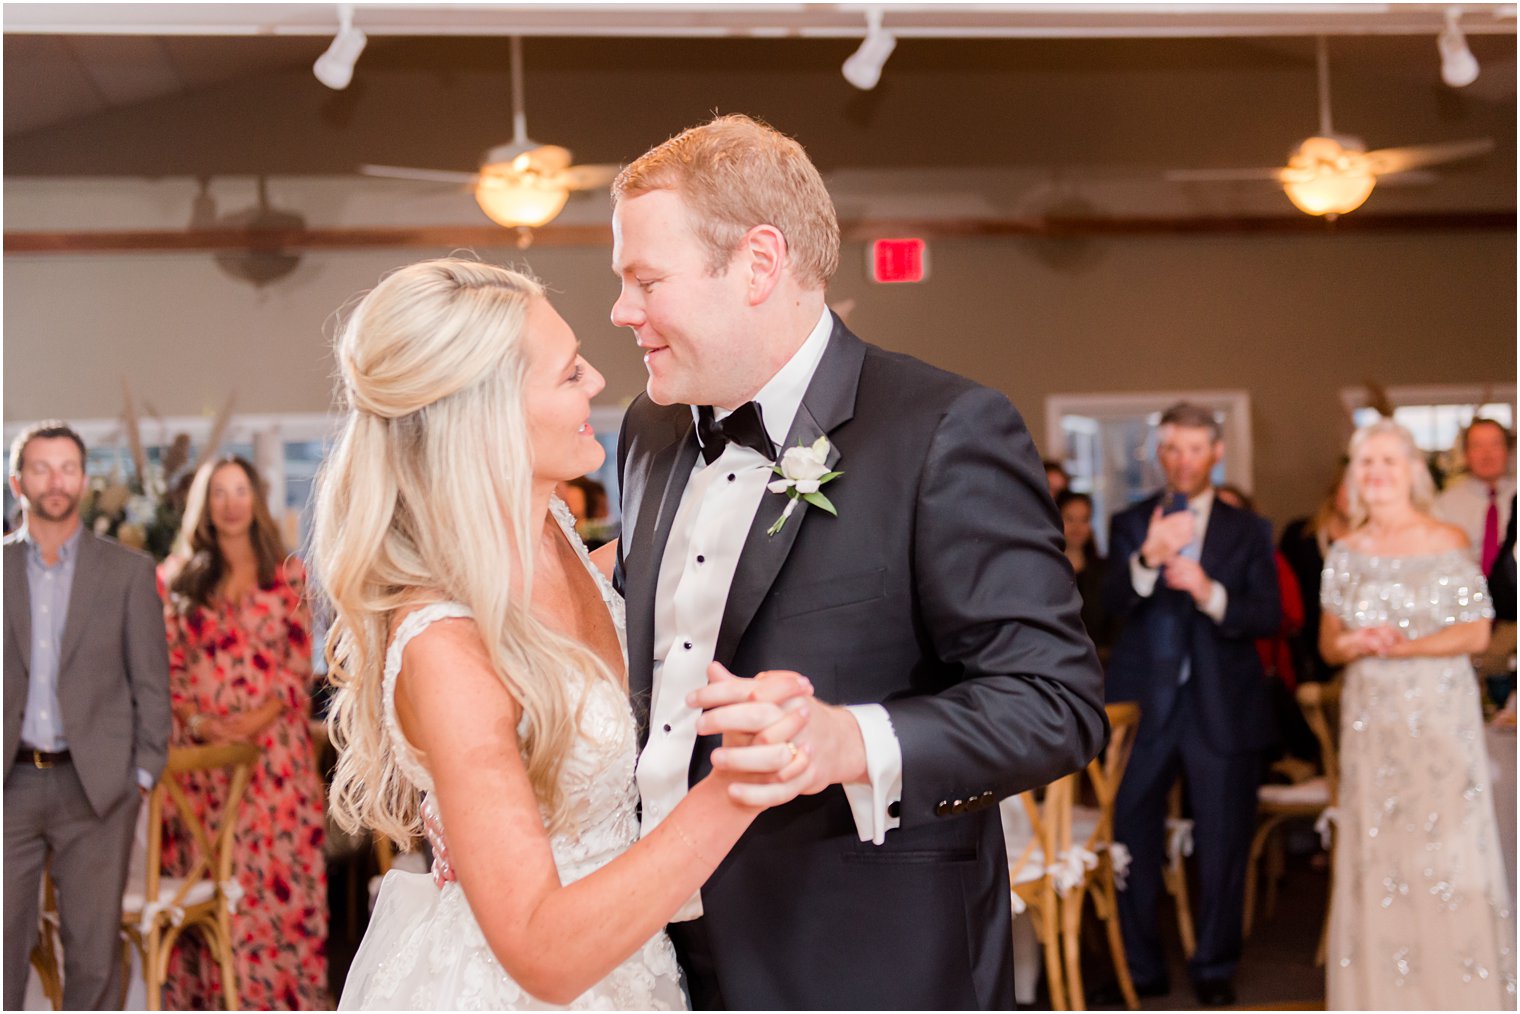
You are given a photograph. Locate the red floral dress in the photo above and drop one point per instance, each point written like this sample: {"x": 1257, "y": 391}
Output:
{"x": 222, "y": 661}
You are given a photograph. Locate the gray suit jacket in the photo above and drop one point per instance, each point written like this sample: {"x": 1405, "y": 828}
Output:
{"x": 113, "y": 673}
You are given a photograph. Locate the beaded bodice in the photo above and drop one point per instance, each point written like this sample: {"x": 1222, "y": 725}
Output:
{"x": 1418, "y": 594}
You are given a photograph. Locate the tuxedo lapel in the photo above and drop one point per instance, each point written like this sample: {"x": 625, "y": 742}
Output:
{"x": 18, "y": 605}
{"x": 666, "y": 481}
{"x": 828, "y": 403}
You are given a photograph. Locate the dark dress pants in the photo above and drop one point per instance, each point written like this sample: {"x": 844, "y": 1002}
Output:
{"x": 1221, "y": 788}
{"x": 46, "y": 812}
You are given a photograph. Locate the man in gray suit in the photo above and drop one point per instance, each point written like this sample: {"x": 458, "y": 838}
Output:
{"x": 86, "y": 718}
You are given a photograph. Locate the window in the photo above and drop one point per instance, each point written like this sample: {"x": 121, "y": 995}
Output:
{"x": 1107, "y": 443}
{"x": 1436, "y": 414}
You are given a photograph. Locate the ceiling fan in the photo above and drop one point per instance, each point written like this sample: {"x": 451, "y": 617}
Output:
{"x": 1331, "y": 174}
{"x": 521, "y": 184}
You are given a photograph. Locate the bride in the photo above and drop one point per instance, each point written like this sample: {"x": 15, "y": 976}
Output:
{"x": 478, "y": 655}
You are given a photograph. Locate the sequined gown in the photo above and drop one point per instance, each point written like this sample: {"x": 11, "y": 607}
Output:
{"x": 424, "y": 950}
{"x": 1419, "y": 917}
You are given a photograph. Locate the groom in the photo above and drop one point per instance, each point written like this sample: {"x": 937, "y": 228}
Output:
{"x": 929, "y": 602}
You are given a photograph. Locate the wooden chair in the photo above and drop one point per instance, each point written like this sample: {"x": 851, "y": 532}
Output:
{"x": 45, "y": 955}
{"x": 1304, "y": 800}
{"x": 1179, "y": 845}
{"x": 1321, "y": 703}
{"x": 1033, "y": 877}
{"x": 1090, "y": 859}
{"x": 155, "y": 915}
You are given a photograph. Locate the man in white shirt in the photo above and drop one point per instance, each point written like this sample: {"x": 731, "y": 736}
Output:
{"x": 919, "y": 583}
{"x": 1479, "y": 501}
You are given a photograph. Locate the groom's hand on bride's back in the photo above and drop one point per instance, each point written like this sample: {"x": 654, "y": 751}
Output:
{"x": 768, "y": 723}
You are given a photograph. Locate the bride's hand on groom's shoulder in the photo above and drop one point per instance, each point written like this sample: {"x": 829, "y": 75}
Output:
{"x": 765, "y": 721}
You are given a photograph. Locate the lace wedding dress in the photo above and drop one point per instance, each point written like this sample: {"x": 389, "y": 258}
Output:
{"x": 423, "y": 949}
{"x": 1419, "y": 917}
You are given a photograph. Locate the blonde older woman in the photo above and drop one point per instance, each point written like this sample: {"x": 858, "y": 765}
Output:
{"x": 1419, "y": 916}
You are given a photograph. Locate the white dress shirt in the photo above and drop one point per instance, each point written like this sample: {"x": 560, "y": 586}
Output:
{"x": 1464, "y": 503}
{"x": 706, "y": 538}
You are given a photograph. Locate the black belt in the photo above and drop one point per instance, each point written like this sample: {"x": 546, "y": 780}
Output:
{"x": 41, "y": 758}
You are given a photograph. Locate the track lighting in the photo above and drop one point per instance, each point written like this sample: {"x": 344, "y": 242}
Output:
{"x": 335, "y": 68}
{"x": 863, "y": 68}
{"x": 1459, "y": 68}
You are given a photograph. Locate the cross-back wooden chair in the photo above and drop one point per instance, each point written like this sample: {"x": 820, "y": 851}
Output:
{"x": 1032, "y": 873}
{"x": 1093, "y": 864}
{"x": 1321, "y": 704}
{"x": 45, "y": 953}
{"x": 1305, "y": 800}
{"x": 156, "y": 913}
{"x": 1179, "y": 845}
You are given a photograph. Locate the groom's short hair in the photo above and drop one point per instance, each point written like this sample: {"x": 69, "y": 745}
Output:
{"x": 735, "y": 173}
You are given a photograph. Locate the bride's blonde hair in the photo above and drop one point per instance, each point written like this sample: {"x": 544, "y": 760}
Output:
{"x": 426, "y": 498}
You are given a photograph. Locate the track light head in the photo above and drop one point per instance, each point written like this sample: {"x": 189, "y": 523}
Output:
{"x": 1459, "y": 68}
{"x": 863, "y": 68}
{"x": 335, "y": 68}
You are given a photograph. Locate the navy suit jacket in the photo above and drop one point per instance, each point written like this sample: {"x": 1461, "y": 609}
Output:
{"x": 1230, "y": 687}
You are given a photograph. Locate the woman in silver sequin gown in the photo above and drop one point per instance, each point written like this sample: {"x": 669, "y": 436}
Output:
{"x": 1419, "y": 917}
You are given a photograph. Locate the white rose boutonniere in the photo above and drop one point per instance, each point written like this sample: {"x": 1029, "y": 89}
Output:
{"x": 803, "y": 470}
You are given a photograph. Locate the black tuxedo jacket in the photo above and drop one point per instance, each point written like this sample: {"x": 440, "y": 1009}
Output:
{"x": 940, "y": 591}
{"x": 1234, "y": 708}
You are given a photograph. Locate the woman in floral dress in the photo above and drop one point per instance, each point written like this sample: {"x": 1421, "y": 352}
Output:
{"x": 240, "y": 669}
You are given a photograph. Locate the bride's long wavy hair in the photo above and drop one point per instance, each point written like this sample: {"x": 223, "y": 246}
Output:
{"x": 426, "y": 498}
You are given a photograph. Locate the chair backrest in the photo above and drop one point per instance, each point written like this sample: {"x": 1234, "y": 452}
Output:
{"x": 1105, "y": 771}
{"x": 211, "y": 845}
{"x": 1048, "y": 810}
{"x": 1321, "y": 705}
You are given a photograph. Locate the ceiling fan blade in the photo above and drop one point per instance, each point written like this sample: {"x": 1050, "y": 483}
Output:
{"x": 393, "y": 172}
{"x": 589, "y": 177}
{"x": 1413, "y": 178}
{"x": 1397, "y": 160}
{"x": 1222, "y": 175}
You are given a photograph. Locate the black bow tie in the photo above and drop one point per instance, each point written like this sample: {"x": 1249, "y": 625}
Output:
{"x": 743, "y": 426}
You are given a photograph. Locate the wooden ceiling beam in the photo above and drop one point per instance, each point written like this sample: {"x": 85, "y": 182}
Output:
{"x": 291, "y": 240}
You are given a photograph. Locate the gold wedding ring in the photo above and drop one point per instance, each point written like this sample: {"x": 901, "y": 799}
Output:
{"x": 793, "y": 747}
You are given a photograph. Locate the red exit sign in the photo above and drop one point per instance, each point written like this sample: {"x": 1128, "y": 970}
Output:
{"x": 899, "y": 260}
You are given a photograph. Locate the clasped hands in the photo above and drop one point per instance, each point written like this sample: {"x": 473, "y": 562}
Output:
{"x": 1165, "y": 539}
{"x": 778, "y": 740}
{"x": 1384, "y": 642}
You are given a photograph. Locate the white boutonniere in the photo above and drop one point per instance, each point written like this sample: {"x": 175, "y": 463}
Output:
{"x": 803, "y": 470}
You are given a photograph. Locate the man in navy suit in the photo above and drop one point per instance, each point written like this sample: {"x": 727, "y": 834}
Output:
{"x": 1194, "y": 584}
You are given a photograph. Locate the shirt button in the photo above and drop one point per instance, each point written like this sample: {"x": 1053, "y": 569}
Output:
{"x": 686, "y": 645}
{"x": 731, "y": 477}
{"x": 667, "y": 726}
{"x": 42, "y": 714}
{"x": 701, "y": 559}
{"x": 44, "y": 610}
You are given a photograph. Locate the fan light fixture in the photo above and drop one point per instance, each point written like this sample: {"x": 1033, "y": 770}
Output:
{"x": 863, "y": 68}
{"x": 521, "y": 188}
{"x": 335, "y": 68}
{"x": 1459, "y": 68}
{"x": 1326, "y": 177}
